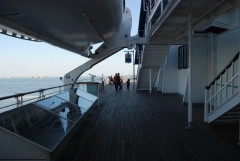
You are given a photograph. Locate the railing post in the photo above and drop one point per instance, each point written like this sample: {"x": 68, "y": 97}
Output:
{"x": 41, "y": 94}
{"x": 210, "y": 102}
{"x": 215, "y": 98}
{"x": 19, "y": 100}
{"x": 205, "y": 107}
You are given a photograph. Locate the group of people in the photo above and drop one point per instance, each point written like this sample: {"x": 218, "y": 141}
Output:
{"x": 118, "y": 81}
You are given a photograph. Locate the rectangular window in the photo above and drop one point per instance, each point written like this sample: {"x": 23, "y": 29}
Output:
{"x": 183, "y": 57}
{"x": 180, "y": 56}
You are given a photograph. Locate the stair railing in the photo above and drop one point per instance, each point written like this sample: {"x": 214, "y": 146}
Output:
{"x": 223, "y": 87}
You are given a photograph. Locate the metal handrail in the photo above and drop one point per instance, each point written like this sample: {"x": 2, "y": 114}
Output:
{"x": 44, "y": 89}
{"x": 26, "y": 93}
{"x": 40, "y": 91}
{"x": 223, "y": 71}
{"x": 223, "y": 86}
{"x": 216, "y": 93}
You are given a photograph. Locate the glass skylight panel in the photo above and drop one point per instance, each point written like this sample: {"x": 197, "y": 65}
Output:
{"x": 61, "y": 107}
{"x": 36, "y": 124}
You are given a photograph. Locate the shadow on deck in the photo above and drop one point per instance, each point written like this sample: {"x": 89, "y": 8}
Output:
{"x": 136, "y": 126}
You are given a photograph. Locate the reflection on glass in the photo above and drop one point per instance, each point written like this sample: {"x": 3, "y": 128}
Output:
{"x": 35, "y": 124}
{"x": 70, "y": 96}
{"x": 47, "y": 121}
{"x": 87, "y": 96}
{"x": 61, "y": 107}
{"x": 75, "y": 96}
{"x": 84, "y": 104}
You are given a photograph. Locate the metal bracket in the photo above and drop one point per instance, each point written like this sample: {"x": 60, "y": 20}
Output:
{"x": 121, "y": 40}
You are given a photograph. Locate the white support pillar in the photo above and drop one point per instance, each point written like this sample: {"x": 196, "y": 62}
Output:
{"x": 133, "y": 71}
{"x": 189, "y": 125}
{"x": 150, "y": 81}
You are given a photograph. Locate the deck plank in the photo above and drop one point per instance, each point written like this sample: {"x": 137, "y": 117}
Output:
{"x": 136, "y": 126}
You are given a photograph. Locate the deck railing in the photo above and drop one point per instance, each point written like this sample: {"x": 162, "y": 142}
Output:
{"x": 223, "y": 87}
{"x": 8, "y": 102}
{"x": 154, "y": 9}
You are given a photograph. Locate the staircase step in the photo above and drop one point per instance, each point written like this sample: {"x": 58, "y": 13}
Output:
{"x": 153, "y": 58}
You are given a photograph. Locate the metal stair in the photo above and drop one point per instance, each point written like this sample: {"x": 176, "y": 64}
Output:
{"x": 232, "y": 114}
{"x": 222, "y": 96}
{"x": 152, "y": 60}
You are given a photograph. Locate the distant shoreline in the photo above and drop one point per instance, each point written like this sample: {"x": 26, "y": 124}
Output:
{"x": 30, "y": 77}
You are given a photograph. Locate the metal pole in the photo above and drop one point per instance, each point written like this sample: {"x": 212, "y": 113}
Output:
{"x": 17, "y": 99}
{"x": 189, "y": 125}
{"x": 133, "y": 71}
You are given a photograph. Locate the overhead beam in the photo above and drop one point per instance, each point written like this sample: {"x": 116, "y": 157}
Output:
{"x": 121, "y": 40}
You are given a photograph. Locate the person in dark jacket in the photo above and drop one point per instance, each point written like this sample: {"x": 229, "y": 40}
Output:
{"x": 128, "y": 83}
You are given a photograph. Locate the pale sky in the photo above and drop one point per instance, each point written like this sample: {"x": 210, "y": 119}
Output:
{"x": 21, "y": 58}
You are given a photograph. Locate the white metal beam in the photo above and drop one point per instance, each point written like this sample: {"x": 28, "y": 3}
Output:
{"x": 121, "y": 40}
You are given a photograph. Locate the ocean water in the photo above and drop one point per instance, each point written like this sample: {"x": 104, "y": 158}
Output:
{"x": 11, "y": 86}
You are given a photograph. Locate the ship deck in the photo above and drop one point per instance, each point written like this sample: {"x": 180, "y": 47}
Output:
{"x": 137, "y": 126}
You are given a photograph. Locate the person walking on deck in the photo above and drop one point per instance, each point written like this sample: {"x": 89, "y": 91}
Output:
{"x": 119, "y": 81}
{"x": 128, "y": 84}
{"x": 115, "y": 79}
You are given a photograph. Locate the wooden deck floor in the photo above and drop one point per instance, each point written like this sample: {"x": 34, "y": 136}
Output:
{"x": 136, "y": 126}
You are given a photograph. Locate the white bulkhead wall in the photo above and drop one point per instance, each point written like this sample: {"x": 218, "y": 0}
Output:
{"x": 199, "y": 70}
{"x": 227, "y": 43}
{"x": 176, "y": 79}
{"x": 210, "y": 54}
{"x": 199, "y": 67}
{"x": 170, "y": 83}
